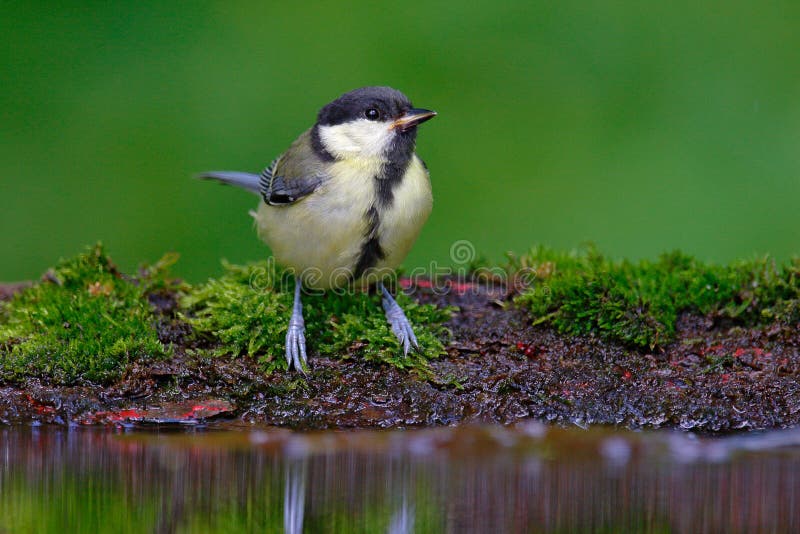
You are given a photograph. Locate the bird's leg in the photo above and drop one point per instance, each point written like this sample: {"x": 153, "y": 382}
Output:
{"x": 398, "y": 321}
{"x": 296, "y": 334}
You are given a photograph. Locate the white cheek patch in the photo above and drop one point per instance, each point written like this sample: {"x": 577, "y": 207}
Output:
{"x": 360, "y": 138}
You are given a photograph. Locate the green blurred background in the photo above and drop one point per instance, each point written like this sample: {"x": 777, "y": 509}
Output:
{"x": 639, "y": 126}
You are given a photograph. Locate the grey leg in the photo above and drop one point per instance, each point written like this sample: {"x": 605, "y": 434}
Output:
{"x": 296, "y": 334}
{"x": 398, "y": 321}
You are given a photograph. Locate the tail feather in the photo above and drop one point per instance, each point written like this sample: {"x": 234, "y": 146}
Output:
{"x": 244, "y": 180}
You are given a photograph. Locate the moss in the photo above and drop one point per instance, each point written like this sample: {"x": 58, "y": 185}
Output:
{"x": 638, "y": 303}
{"x": 247, "y": 310}
{"x": 239, "y": 314}
{"x": 84, "y": 322}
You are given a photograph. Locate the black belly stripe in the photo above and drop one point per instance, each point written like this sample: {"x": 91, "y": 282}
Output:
{"x": 371, "y": 251}
{"x": 392, "y": 174}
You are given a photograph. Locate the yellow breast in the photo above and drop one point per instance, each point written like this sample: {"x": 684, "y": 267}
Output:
{"x": 321, "y": 236}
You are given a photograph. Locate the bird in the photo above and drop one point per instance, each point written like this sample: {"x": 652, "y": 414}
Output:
{"x": 343, "y": 205}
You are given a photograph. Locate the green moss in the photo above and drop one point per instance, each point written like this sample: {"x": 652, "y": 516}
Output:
{"x": 246, "y": 312}
{"x": 83, "y": 322}
{"x": 638, "y": 302}
{"x": 86, "y": 322}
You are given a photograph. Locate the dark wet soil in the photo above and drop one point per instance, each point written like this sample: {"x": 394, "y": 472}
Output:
{"x": 499, "y": 368}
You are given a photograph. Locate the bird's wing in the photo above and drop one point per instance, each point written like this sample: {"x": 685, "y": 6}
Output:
{"x": 293, "y": 176}
{"x": 279, "y": 190}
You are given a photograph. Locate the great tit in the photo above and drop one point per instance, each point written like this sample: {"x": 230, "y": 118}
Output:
{"x": 345, "y": 202}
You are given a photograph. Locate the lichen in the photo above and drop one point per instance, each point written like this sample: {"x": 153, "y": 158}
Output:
{"x": 84, "y": 322}
{"x": 638, "y": 303}
{"x": 246, "y": 312}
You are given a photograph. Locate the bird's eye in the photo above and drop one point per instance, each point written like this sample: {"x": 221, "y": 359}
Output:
{"x": 372, "y": 114}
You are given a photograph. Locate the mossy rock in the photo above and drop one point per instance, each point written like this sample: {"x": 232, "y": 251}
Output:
{"x": 246, "y": 312}
{"x": 84, "y": 321}
{"x": 638, "y": 303}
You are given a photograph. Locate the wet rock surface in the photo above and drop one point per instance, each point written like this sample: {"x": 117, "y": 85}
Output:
{"x": 499, "y": 368}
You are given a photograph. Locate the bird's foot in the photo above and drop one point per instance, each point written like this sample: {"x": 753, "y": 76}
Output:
{"x": 296, "y": 335}
{"x": 296, "y": 346}
{"x": 398, "y": 322}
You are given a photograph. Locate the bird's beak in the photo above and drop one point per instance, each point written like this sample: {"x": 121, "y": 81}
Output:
{"x": 411, "y": 118}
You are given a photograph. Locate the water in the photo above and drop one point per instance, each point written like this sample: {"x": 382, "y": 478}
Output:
{"x": 528, "y": 478}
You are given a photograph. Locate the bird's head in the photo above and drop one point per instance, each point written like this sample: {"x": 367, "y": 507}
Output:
{"x": 371, "y": 122}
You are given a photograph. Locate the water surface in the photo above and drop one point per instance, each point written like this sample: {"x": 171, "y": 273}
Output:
{"x": 528, "y": 478}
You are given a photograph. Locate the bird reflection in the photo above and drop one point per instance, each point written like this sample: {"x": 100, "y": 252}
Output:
{"x": 294, "y": 499}
{"x": 294, "y": 495}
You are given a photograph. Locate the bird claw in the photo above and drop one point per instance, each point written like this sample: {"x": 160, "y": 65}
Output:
{"x": 398, "y": 322}
{"x": 296, "y": 335}
{"x": 296, "y": 346}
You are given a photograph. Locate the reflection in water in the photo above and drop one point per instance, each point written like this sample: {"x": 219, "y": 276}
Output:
{"x": 294, "y": 495}
{"x": 402, "y": 521}
{"x": 524, "y": 479}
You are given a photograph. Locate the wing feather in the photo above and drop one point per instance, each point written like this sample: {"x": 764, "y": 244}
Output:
{"x": 294, "y": 175}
